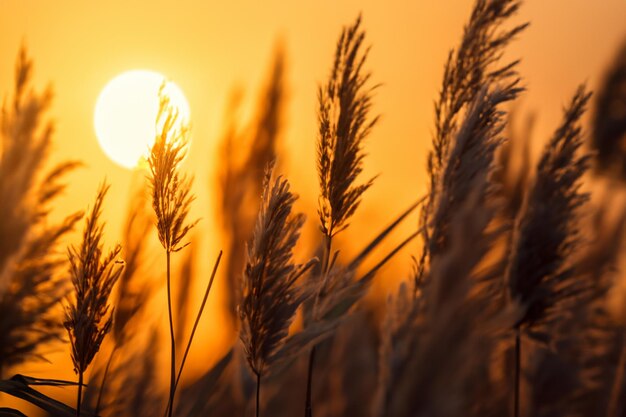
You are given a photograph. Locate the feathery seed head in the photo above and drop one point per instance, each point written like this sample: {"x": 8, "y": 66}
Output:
{"x": 271, "y": 295}
{"x": 344, "y": 123}
{"x": 94, "y": 273}
{"x": 546, "y": 233}
{"x": 171, "y": 192}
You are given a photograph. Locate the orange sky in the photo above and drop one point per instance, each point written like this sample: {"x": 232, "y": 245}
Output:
{"x": 209, "y": 47}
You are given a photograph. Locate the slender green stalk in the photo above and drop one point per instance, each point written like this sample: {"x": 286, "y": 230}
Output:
{"x": 172, "y": 339}
{"x": 518, "y": 360}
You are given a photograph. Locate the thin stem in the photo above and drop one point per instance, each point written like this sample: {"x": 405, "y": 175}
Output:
{"x": 80, "y": 393}
{"x": 308, "y": 409}
{"x": 104, "y": 378}
{"x": 258, "y": 394}
{"x": 172, "y": 339}
{"x": 615, "y": 406}
{"x": 308, "y": 405}
{"x": 328, "y": 240}
{"x": 195, "y": 324}
{"x": 518, "y": 360}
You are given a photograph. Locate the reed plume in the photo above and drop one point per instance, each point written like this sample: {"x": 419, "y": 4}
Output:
{"x": 344, "y": 120}
{"x": 31, "y": 284}
{"x": 431, "y": 341}
{"x": 344, "y": 123}
{"x": 171, "y": 201}
{"x": 514, "y": 164}
{"x": 132, "y": 295}
{"x": 271, "y": 295}
{"x": 539, "y": 276}
{"x": 89, "y": 316}
{"x": 245, "y": 155}
{"x": 472, "y": 71}
{"x": 609, "y": 122}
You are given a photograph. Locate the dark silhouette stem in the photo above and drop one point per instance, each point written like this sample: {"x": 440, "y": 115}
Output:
{"x": 329, "y": 242}
{"x": 308, "y": 408}
{"x": 308, "y": 405}
{"x": 195, "y": 325}
{"x": 172, "y": 339}
{"x": 258, "y": 394}
{"x": 518, "y": 360}
{"x": 104, "y": 379}
{"x": 80, "y": 393}
{"x": 615, "y": 408}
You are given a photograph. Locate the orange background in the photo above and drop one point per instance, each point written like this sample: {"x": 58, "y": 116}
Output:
{"x": 208, "y": 48}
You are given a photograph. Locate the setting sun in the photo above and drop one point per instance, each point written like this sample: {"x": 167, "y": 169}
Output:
{"x": 126, "y": 111}
{"x": 389, "y": 209}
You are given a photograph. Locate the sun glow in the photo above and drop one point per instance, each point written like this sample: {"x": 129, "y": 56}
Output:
{"x": 126, "y": 111}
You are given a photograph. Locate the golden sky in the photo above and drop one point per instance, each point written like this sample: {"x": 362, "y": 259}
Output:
{"x": 209, "y": 47}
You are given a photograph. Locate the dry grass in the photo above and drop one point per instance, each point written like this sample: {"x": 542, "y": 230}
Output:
{"x": 171, "y": 201}
{"x": 31, "y": 283}
{"x": 246, "y": 152}
{"x": 270, "y": 292}
{"x": 509, "y": 310}
{"x": 94, "y": 272}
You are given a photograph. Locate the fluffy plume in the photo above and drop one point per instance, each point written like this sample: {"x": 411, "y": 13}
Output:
{"x": 171, "y": 192}
{"x": 171, "y": 201}
{"x": 431, "y": 342}
{"x": 470, "y": 159}
{"x": 245, "y": 155}
{"x": 609, "y": 123}
{"x": 94, "y": 273}
{"x": 546, "y": 232}
{"x": 270, "y": 294}
{"x": 30, "y": 284}
{"x": 473, "y": 79}
{"x": 344, "y": 123}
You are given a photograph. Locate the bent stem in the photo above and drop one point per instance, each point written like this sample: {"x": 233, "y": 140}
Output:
{"x": 518, "y": 355}
{"x": 172, "y": 339}
{"x": 195, "y": 326}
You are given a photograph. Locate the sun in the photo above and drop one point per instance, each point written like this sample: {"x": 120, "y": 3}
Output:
{"x": 126, "y": 111}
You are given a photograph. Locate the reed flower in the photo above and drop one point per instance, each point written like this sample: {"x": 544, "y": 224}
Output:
{"x": 171, "y": 201}
{"x": 94, "y": 272}
{"x": 271, "y": 295}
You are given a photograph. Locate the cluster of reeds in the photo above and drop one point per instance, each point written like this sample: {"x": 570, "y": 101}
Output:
{"x": 514, "y": 306}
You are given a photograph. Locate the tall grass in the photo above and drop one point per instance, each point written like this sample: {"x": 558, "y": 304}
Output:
{"x": 31, "y": 281}
{"x": 94, "y": 273}
{"x": 270, "y": 292}
{"x": 513, "y": 307}
{"x": 171, "y": 201}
